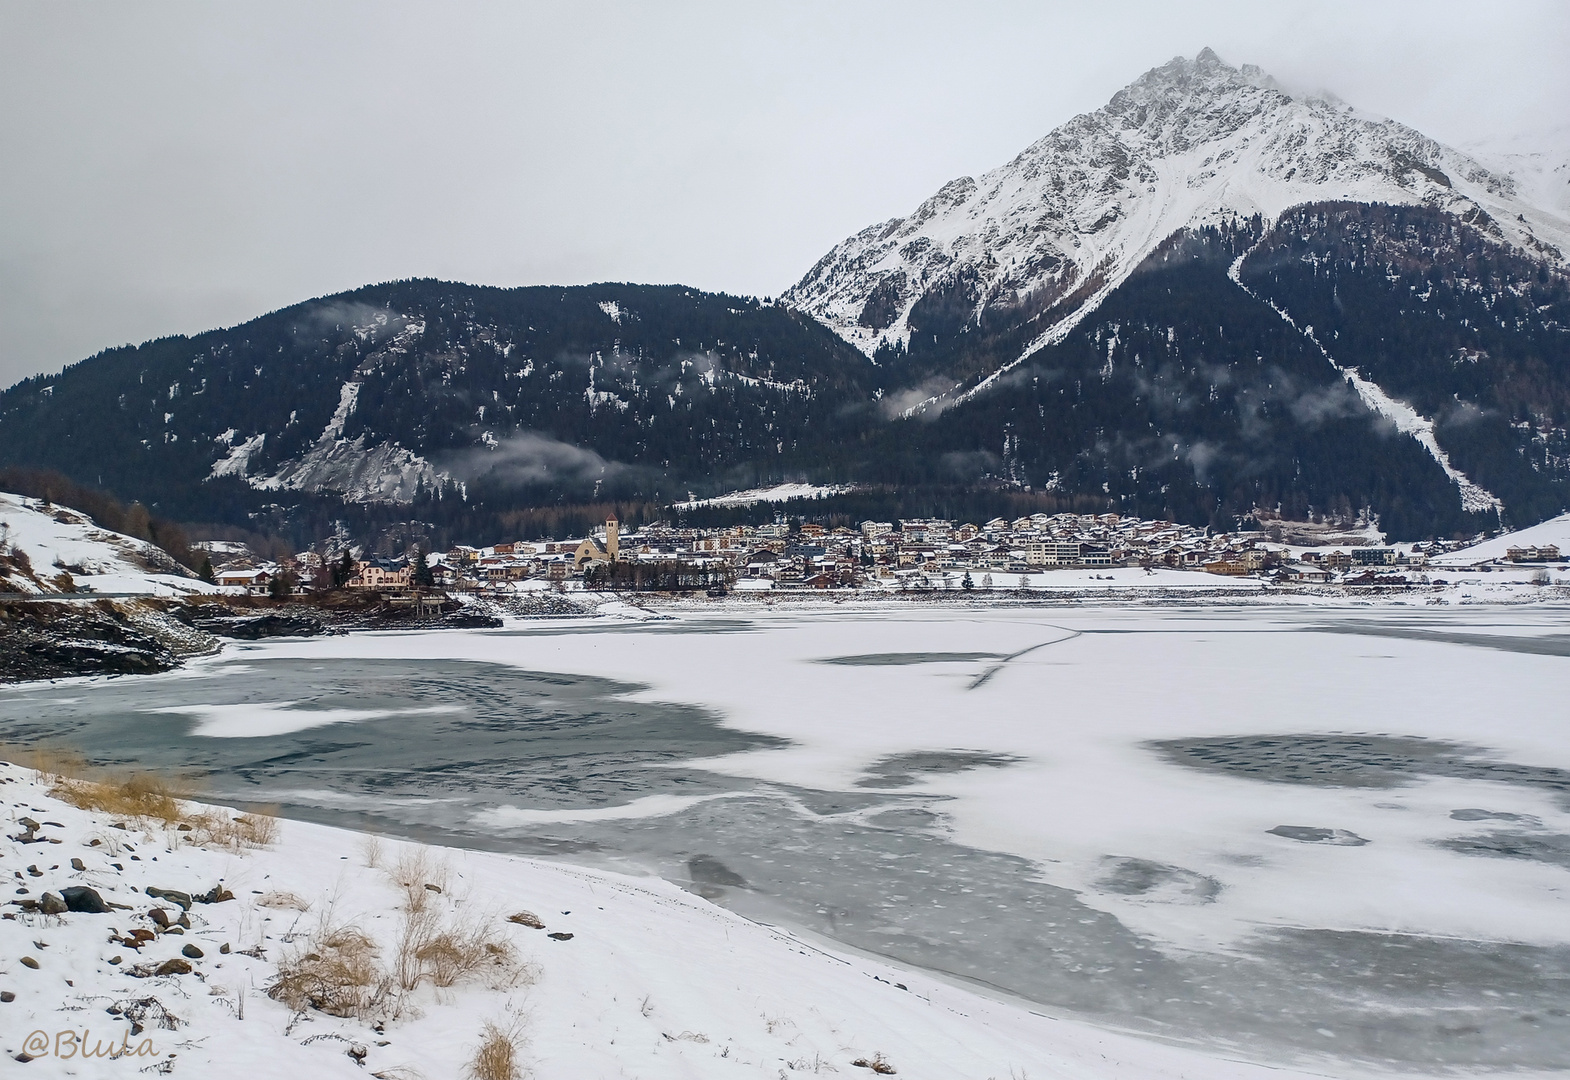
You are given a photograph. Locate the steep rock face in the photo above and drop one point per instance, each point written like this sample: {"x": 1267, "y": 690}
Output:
{"x": 1043, "y": 239}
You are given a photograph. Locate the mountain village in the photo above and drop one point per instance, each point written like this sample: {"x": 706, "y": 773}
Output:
{"x": 906, "y": 556}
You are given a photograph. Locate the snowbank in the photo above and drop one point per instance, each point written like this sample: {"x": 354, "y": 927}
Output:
{"x": 627, "y": 977}
{"x": 1554, "y": 531}
{"x": 57, "y": 539}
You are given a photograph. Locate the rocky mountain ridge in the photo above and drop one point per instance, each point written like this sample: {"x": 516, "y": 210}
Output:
{"x": 1045, "y": 238}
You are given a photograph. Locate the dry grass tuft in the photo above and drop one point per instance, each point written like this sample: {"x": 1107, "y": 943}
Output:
{"x": 876, "y": 1063}
{"x": 142, "y": 796}
{"x": 499, "y": 1055}
{"x": 371, "y": 848}
{"x": 215, "y": 828}
{"x": 399, "y": 1072}
{"x": 447, "y": 952}
{"x": 280, "y": 899}
{"x": 336, "y": 973}
{"x": 413, "y": 872}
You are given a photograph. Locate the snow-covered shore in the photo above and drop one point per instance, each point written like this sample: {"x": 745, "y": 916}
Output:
{"x": 652, "y": 982}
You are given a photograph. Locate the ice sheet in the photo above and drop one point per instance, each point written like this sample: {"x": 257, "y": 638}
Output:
{"x": 993, "y": 792}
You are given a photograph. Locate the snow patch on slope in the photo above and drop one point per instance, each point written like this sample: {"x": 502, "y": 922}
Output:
{"x": 385, "y": 472}
{"x": 56, "y": 538}
{"x": 238, "y": 460}
{"x": 1554, "y": 531}
{"x": 1539, "y": 165}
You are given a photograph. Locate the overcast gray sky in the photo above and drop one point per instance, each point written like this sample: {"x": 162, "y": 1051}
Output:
{"x": 171, "y": 167}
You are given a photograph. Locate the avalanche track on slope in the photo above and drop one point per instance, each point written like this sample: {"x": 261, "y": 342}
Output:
{"x": 1407, "y": 420}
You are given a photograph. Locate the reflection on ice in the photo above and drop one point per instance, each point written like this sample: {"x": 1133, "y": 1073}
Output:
{"x": 1356, "y": 761}
{"x": 282, "y": 718}
{"x": 902, "y": 770}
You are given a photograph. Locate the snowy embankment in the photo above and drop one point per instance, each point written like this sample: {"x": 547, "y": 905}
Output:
{"x": 56, "y": 541}
{"x": 1554, "y": 531}
{"x": 624, "y": 976}
{"x": 51, "y": 559}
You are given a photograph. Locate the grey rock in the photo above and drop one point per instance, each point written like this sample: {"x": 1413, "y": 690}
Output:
{"x": 84, "y": 899}
{"x": 174, "y": 896}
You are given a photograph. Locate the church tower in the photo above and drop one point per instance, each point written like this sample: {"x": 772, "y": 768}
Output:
{"x": 612, "y": 538}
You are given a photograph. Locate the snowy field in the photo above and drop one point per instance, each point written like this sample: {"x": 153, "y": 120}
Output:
{"x": 1334, "y": 839}
{"x": 56, "y": 538}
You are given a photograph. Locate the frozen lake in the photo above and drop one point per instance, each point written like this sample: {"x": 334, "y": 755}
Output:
{"x": 1291, "y": 834}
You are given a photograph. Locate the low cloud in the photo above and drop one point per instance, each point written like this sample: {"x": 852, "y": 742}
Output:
{"x": 1334, "y": 402}
{"x": 1201, "y": 457}
{"x": 344, "y": 315}
{"x": 1464, "y": 413}
{"x": 530, "y": 459}
{"x": 925, "y": 400}
{"x": 969, "y": 464}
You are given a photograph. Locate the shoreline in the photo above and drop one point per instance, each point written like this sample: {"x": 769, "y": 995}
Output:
{"x": 651, "y": 978}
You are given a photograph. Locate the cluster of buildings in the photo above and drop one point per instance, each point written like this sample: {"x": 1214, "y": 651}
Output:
{"x": 909, "y": 554}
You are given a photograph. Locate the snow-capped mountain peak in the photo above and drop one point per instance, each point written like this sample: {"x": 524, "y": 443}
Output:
{"x": 1046, "y": 236}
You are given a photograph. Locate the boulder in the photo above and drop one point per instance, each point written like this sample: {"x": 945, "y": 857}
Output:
{"x": 174, "y": 896}
{"x": 84, "y": 899}
{"x": 50, "y": 904}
